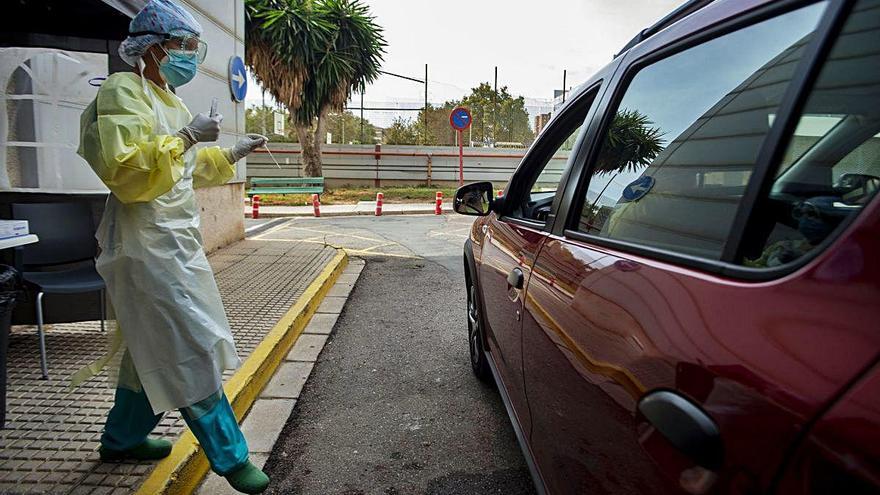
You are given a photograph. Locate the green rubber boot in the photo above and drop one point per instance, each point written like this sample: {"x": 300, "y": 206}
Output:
{"x": 248, "y": 479}
{"x": 151, "y": 450}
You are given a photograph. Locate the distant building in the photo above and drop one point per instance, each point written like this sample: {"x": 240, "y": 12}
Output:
{"x": 540, "y": 121}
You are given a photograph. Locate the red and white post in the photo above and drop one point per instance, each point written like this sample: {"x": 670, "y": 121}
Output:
{"x": 460, "y": 159}
{"x": 255, "y": 204}
{"x": 438, "y": 203}
{"x": 379, "y": 198}
{"x": 500, "y": 193}
{"x": 316, "y": 204}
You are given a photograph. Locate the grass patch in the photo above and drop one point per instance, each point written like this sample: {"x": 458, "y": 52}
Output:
{"x": 352, "y": 194}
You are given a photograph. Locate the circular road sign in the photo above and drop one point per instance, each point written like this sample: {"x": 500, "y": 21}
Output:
{"x": 237, "y": 78}
{"x": 460, "y": 118}
{"x": 638, "y": 188}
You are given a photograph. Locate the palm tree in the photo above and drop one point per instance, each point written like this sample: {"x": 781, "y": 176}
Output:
{"x": 631, "y": 144}
{"x": 310, "y": 55}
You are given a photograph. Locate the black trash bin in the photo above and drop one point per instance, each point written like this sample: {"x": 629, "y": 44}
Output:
{"x": 10, "y": 290}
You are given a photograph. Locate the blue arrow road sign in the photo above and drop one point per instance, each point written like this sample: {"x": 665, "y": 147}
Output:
{"x": 237, "y": 78}
{"x": 460, "y": 118}
{"x": 638, "y": 188}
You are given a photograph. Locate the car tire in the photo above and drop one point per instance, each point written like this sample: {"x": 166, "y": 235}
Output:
{"x": 478, "y": 358}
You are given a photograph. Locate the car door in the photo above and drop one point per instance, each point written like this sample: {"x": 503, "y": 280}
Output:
{"x": 512, "y": 240}
{"x": 684, "y": 322}
{"x": 839, "y": 455}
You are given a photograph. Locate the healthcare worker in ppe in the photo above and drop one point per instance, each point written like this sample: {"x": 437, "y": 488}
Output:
{"x": 141, "y": 140}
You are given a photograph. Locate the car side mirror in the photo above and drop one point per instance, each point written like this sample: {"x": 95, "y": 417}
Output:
{"x": 474, "y": 199}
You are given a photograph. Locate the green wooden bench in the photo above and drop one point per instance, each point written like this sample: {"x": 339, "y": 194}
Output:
{"x": 289, "y": 185}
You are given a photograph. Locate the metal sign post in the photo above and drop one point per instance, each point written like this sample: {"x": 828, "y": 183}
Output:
{"x": 460, "y": 120}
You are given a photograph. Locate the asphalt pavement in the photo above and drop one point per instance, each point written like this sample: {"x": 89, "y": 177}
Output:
{"x": 392, "y": 406}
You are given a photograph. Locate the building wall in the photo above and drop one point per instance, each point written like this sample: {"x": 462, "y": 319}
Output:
{"x": 38, "y": 156}
{"x": 223, "y": 25}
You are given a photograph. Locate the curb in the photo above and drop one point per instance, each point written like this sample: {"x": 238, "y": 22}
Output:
{"x": 181, "y": 472}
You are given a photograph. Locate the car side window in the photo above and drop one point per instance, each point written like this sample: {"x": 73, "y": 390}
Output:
{"x": 547, "y": 169}
{"x": 831, "y": 168}
{"x": 682, "y": 143}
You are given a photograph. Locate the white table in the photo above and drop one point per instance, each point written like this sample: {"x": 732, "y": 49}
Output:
{"x": 21, "y": 240}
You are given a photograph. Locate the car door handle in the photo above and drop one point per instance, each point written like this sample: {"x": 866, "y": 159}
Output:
{"x": 686, "y": 427}
{"x": 515, "y": 278}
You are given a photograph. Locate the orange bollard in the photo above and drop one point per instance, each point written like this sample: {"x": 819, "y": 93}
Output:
{"x": 255, "y": 203}
{"x": 316, "y": 203}
{"x": 438, "y": 203}
{"x": 379, "y": 198}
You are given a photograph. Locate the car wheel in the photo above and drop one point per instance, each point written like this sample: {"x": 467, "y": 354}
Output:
{"x": 479, "y": 363}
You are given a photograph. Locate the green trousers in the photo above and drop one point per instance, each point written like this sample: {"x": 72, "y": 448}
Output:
{"x": 211, "y": 420}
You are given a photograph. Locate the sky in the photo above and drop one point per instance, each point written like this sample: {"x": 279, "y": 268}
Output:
{"x": 530, "y": 42}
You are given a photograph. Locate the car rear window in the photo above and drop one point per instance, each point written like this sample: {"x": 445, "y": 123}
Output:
{"x": 831, "y": 168}
{"x": 680, "y": 150}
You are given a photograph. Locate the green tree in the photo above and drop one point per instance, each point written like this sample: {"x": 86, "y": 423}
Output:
{"x": 511, "y": 117}
{"x": 632, "y": 143}
{"x": 345, "y": 128}
{"x": 439, "y": 132}
{"x": 261, "y": 120}
{"x": 310, "y": 55}
{"x": 401, "y": 131}
{"x": 497, "y": 119}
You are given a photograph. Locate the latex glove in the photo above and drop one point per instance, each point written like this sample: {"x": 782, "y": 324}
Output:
{"x": 202, "y": 129}
{"x": 245, "y": 146}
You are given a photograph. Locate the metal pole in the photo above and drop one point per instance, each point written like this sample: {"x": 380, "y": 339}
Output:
{"x": 362, "y": 117}
{"x": 460, "y": 161}
{"x": 495, "y": 109}
{"x": 263, "y": 111}
{"x": 425, "y": 109}
{"x": 564, "y": 74}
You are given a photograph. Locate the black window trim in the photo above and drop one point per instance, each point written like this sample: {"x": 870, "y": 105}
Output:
{"x": 590, "y": 95}
{"x": 830, "y": 23}
{"x": 776, "y": 142}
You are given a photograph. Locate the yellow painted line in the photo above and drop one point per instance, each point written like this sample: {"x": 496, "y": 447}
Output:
{"x": 379, "y": 253}
{"x": 379, "y": 246}
{"x": 343, "y": 248}
{"x": 341, "y": 234}
{"x": 274, "y": 229}
{"x": 181, "y": 472}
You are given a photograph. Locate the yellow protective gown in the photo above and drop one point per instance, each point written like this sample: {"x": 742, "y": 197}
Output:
{"x": 158, "y": 279}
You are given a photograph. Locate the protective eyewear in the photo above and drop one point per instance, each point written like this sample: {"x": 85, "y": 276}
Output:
{"x": 189, "y": 44}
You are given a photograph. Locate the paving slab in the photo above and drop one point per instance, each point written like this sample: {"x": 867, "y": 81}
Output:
{"x": 347, "y": 278}
{"x": 263, "y": 423}
{"x": 322, "y": 323}
{"x": 288, "y": 380}
{"x": 307, "y": 348}
{"x": 332, "y": 305}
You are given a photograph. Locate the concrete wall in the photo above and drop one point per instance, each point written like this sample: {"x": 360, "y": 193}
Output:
{"x": 399, "y": 165}
{"x": 222, "y": 221}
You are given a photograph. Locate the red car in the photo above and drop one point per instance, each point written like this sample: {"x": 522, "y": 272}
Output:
{"x": 678, "y": 290}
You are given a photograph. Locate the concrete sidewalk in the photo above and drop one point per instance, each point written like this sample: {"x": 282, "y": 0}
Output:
{"x": 50, "y": 441}
{"x": 361, "y": 208}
